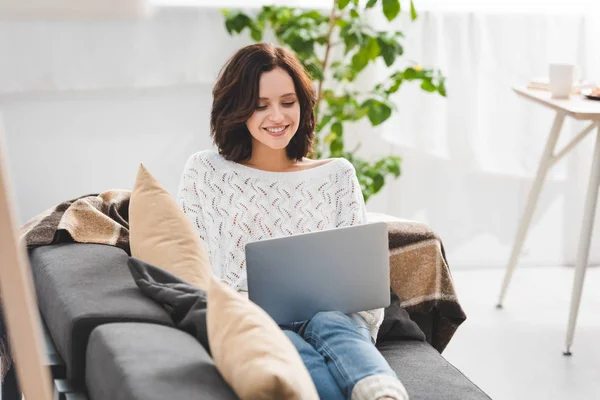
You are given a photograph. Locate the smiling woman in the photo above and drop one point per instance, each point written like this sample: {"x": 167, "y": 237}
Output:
{"x": 260, "y": 185}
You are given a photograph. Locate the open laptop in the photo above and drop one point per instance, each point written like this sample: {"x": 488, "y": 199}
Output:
{"x": 345, "y": 269}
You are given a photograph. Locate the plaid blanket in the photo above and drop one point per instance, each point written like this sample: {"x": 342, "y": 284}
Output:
{"x": 95, "y": 218}
{"x": 419, "y": 274}
{"x": 421, "y": 279}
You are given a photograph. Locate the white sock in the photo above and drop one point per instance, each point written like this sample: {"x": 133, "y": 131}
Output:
{"x": 379, "y": 387}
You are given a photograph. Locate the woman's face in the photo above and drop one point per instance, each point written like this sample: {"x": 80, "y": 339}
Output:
{"x": 276, "y": 118}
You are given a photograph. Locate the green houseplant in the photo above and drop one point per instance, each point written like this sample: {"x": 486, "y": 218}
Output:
{"x": 336, "y": 47}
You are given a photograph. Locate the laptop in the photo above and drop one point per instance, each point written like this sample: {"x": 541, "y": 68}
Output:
{"x": 344, "y": 269}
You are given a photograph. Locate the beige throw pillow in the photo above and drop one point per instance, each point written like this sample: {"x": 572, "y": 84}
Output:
{"x": 252, "y": 353}
{"x": 161, "y": 234}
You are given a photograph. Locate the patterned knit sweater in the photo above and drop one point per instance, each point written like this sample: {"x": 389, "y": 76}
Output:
{"x": 230, "y": 204}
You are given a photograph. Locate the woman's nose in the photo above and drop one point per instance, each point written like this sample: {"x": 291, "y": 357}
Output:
{"x": 276, "y": 115}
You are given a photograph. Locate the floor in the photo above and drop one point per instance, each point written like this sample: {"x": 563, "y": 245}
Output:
{"x": 516, "y": 353}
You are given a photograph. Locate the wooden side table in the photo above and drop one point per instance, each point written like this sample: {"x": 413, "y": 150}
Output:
{"x": 580, "y": 108}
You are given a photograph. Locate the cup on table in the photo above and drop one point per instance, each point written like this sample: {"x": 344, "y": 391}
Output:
{"x": 561, "y": 80}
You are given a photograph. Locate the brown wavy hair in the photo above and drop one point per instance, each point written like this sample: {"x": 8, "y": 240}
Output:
{"x": 235, "y": 98}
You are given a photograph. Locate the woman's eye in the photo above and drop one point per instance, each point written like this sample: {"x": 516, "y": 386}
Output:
{"x": 286, "y": 104}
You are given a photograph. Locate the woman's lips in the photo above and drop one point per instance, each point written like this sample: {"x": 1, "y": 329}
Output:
{"x": 276, "y": 134}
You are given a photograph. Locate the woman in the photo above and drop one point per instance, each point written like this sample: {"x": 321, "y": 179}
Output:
{"x": 261, "y": 185}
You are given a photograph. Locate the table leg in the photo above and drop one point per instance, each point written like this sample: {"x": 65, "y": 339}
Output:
{"x": 534, "y": 193}
{"x": 585, "y": 239}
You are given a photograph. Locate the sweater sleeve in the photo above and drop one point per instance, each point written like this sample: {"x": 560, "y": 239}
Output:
{"x": 188, "y": 196}
{"x": 354, "y": 212}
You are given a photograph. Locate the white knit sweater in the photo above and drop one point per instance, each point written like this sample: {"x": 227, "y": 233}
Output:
{"x": 230, "y": 204}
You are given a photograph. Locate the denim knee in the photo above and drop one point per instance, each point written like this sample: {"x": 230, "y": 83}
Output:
{"x": 328, "y": 321}
{"x": 328, "y": 318}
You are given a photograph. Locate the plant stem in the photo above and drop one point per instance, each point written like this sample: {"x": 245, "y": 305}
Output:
{"x": 328, "y": 45}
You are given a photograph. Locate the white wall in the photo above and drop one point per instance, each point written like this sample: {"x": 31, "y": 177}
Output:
{"x": 63, "y": 145}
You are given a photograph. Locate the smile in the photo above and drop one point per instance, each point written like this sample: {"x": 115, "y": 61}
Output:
{"x": 280, "y": 130}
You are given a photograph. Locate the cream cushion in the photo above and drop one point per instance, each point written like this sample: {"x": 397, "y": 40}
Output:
{"x": 161, "y": 234}
{"x": 252, "y": 353}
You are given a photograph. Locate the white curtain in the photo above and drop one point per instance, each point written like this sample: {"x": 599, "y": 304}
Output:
{"x": 469, "y": 159}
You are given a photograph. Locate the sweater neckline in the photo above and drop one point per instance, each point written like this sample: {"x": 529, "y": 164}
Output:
{"x": 305, "y": 173}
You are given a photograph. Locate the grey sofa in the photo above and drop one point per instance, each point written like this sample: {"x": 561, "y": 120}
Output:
{"x": 107, "y": 341}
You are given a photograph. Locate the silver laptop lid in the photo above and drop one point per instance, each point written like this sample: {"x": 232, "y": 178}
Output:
{"x": 345, "y": 269}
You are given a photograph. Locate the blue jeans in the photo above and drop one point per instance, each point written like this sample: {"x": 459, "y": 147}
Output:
{"x": 337, "y": 351}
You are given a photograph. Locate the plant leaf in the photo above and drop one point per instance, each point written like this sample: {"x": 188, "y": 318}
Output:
{"x": 378, "y": 111}
{"x": 391, "y": 8}
{"x": 387, "y": 51}
{"x": 336, "y": 147}
{"x": 330, "y": 138}
{"x": 337, "y": 128}
{"x": 371, "y": 4}
{"x": 378, "y": 182}
{"x": 428, "y": 86}
{"x": 373, "y": 50}
{"x": 392, "y": 164}
{"x": 255, "y": 32}
{"x": 410, "y": 74}
{"x": 413, "y": 11}
{"x": 323, "y": 122}
{"x": 350, "y": 41}
{"x": 360, "y": 60}
{"x": 314, "y": 68}
{"x": 442, "y": 87}
{"x": 394, "y": 88}
{"x": 342, "y": 4}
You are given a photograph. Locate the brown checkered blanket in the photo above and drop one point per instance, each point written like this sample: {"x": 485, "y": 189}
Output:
{"x": 96, "y": 218}
{"x": 421, "y": 279}
{"x": 419, "y": 274}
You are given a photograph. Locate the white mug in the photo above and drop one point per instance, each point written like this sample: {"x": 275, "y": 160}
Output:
{"x": 561, "y": 80}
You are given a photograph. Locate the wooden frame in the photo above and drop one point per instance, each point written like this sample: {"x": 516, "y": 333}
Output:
{"x": 18, "y": 297}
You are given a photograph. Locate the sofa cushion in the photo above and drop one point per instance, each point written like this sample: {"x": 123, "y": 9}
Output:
{"x": 254, "y": 355}
{"x": 80, "y": 286}
{"x": 129, "y": 361}
{"x": 148, "y": 361}
{"x": 427, "y": 375}
{"x": 161, "y": 234}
